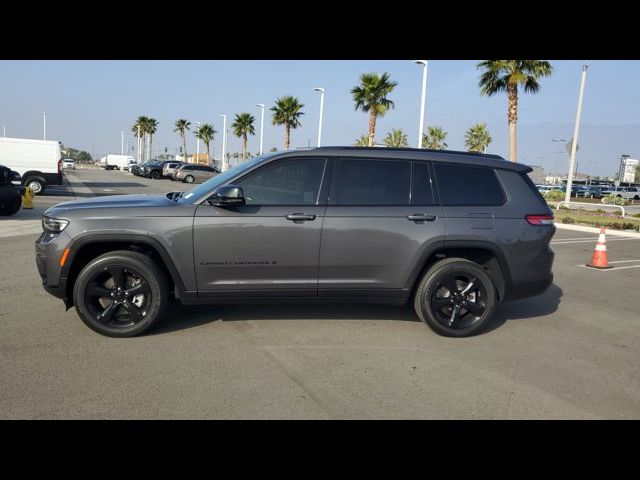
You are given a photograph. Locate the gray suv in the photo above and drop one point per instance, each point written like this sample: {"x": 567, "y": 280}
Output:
{"x": 453, "y": 233}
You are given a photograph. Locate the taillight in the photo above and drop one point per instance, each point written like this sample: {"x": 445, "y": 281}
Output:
{"x": 59, "y": 166}
{"x": 540, "y": 219}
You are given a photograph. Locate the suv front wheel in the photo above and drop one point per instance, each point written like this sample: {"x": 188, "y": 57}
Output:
{"x": 455, "y": 298}
{"x": 120, "y": 294}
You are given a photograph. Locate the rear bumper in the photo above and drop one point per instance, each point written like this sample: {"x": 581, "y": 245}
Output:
{"x": 516, "y": 291}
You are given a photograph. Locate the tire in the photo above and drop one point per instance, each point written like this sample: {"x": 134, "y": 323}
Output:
{"x": 155, "y": 175}
{"x": 11, "y": 208}
{"x": 188, "y": 179}
{"x": 36, "y": 184}
{"x": 431, "y": 288}
{"x": 148, "y": 306}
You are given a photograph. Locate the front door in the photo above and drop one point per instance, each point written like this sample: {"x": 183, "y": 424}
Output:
{"x": 270, "y": 246}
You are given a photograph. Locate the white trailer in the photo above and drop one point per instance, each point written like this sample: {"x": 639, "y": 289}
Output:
{"x": 39, "y": 162}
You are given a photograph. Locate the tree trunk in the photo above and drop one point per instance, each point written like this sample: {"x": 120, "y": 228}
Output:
{"x": 372, "y": 126}
{"x": 206, "y": 149}
{"x": 184, "y": 147}
{"x": 244, "y": 147}
{"x": 150, "y": 144}
{"x": 512, "y": 93}
{"x": 287, "y": 133}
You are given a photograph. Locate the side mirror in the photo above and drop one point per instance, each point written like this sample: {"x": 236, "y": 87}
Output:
{"x": 227, "y": 196}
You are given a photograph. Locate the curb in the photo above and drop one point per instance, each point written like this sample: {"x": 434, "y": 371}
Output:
{"x": 610, "y": 231}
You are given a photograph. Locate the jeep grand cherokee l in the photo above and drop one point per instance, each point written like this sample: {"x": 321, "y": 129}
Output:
{"x": 451, "y": 232}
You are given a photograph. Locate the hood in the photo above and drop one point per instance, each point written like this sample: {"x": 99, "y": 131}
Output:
{"x": 115, "y": 202}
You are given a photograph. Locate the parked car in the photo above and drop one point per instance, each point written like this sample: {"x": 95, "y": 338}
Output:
{"x": 631, "y": 193}
{"x": 454, "y": 233}
{"x": 153, "y": 170}
{"x": 135, "y": 168}
{"x": 193, "y": 173}
{"x": 590, "y": 191}
{"x": 39, "y": 162}
{"x": 170, "y": 168}
{"x": 68, "y": 163}
{"x": 10, "y": 191}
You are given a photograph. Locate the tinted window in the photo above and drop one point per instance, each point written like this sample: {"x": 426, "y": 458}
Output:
{"x": 467, "y": 185}
{"x": 422, "y": 189}
{"x": 373, "y": 182}
{"x": 285, "y": 182}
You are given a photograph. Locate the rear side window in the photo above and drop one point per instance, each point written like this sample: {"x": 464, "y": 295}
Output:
{"x": 373, "y": 182}
{"x": 422, "y": 187}
{"x": 468, "y": 185}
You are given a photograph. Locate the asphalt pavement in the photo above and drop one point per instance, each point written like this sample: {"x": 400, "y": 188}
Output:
{"x": 573, "y": 352}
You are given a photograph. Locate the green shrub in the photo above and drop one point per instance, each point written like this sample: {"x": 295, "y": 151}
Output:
{"x": 568, "y": 220}
{"x": 553, "y": 195}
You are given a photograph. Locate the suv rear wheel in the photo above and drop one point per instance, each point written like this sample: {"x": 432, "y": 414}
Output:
{"x": 120, "y": 294}
{"x": 455, "y": 298}
{"x": 155, "y": 175}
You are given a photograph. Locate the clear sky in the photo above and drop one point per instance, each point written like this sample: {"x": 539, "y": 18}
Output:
{"x": 88, "y": 104}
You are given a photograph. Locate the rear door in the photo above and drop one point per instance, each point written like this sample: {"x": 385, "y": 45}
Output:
{"x": 381, "y": 219}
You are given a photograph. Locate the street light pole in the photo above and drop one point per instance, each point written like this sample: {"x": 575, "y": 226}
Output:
{"x": 555, "y": 167}
{"x": 197, "y": 143}
{"x": 44, "y": 124}
{"x": 139, "y": 155}
{"x": 425, "y": 63}
{"x": 224, "y": 141}
{"x": 122, "y": 143}
{"x": 574, "y": 143}
{"x": 321, "y": 90}
{"x": 261, "y": 105}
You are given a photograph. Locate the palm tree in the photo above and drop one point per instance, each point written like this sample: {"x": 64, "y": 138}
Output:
{"x": 287, "y": 112}
{"x": 363, "y": 141}
{"x": 182, "y": 126}
{"x": 205, "y": 133}
{"x": 396, "y": 138}
{"x": 434, "y": 138}
{"x": 477, "y": 138}
{"x": 139, "y": 129}
{"x": 371, "y": 96}
{"x": 243, "y": 126}
{"x": 506, "y": 76}
{"x": 151, "y": 128}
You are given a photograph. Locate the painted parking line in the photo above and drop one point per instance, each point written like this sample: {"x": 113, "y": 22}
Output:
{"x": 616, "y": 268}
{"x": 563, "y": 242}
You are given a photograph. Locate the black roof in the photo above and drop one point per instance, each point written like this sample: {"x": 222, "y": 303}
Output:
{"x": 453, "y": 156}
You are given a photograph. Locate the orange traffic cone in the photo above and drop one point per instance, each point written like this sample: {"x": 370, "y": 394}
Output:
{"x": 599, "y": 259}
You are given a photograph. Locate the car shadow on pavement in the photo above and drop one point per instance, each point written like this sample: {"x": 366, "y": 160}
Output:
{"x": 113, "y": 184}
{"x": 533, "y": 307}
{"x": 182, "y": 317}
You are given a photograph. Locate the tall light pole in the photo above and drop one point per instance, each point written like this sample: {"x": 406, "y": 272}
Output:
{"x": 122, "y": 143}
{"x": 574, "y": 143}
{"x": 321, "y": 90}
{"x": 425, "y": 63}
{"x": 224, "y": 142}
{"x": 555, "y": 167}
{"x": 261, "y": 105}
{"x": 44, "y": 125}
{"x": 139, "y": 155}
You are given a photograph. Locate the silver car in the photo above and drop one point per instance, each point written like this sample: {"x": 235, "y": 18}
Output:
{"x": 192, "y": 173}
{"x": 170, "y": 168}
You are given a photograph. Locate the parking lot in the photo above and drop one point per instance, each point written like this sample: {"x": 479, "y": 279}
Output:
{"x": 573, "y": 352}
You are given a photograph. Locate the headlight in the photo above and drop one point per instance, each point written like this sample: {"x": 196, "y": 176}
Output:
{"x": 53, "y": 225}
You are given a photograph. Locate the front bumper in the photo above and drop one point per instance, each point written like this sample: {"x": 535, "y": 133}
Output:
{"x": 49, "y": 249}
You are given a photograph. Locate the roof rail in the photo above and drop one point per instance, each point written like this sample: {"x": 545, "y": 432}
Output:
{"x": 409, "y": 149}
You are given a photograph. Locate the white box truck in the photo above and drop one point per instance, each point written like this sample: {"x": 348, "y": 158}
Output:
{"x": 39, "y": 162}
{"x": 117, "y": 162}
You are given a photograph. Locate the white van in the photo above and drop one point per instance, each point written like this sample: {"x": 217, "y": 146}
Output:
{"x": 39, "y": 162}
{"x": 117, "y": 162}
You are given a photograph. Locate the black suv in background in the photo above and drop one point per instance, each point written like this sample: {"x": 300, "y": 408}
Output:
{"x": 452, "y": 233}
{"x": 153, "y": 170}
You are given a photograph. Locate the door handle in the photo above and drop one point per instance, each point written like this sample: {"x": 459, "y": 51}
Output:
{"x": 300, "y": 217}
{"x": 421, "y": 217}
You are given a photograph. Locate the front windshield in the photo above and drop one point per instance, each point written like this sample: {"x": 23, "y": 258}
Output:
{"x": 199, "y": 191}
